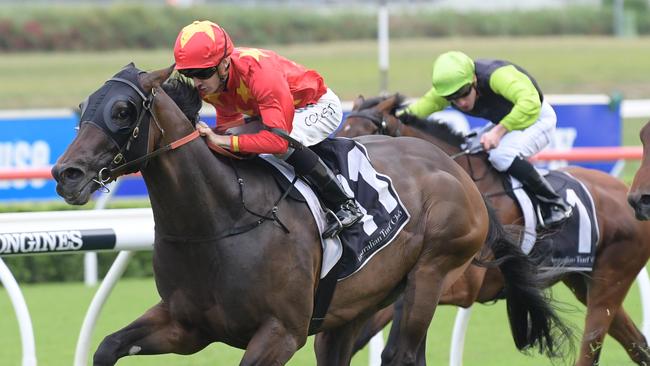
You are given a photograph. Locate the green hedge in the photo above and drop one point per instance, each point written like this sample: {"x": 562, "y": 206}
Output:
{"x": 69, "y": 267}
{"x": 64, "y": 27}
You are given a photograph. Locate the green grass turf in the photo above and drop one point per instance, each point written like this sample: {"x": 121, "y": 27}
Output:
{"x": 57, "y": 312}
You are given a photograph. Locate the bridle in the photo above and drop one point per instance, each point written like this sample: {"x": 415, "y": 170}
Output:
{"x": 118, "y": 164}
{"x": 381, "y": 123}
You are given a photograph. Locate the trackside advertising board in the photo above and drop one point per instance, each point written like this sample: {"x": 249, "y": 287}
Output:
{"x": 34, "y": 139}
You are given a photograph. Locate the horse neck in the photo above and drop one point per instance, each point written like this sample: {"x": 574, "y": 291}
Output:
{"x": 487, "y": 179}
{"x": 190, "y": 190}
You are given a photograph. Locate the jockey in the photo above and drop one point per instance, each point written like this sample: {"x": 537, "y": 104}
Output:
{"x": 285, "y": 95}
{"x": 510, "y": 98}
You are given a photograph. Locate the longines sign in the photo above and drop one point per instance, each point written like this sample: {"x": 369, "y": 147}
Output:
{"x": 59, "y": 241}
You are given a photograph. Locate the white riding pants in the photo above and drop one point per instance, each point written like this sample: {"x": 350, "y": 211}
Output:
{"x": 526, "y": 142}
{"x": 314, "y": 122}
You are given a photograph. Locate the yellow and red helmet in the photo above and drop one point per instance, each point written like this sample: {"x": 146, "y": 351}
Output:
{"x": 200, "y": 45}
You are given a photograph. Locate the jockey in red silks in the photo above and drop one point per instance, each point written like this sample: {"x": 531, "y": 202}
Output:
{"x": 285, "y": 95}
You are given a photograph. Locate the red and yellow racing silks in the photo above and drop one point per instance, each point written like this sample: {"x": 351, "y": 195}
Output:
{"x": 264, "y": 84}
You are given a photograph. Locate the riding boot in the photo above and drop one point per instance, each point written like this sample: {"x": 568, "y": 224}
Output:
{"x": 558, "y": 209}
{"x": 344, "y": 211}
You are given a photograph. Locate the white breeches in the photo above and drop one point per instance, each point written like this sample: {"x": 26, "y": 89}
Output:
{"x": 526, "y": 142}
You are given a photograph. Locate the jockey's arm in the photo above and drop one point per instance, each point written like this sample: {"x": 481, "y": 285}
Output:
{"x": 516, "y": 87}
{"x": 226, "y": 121}
{"x": 276, "y": 109}
{"x": 429, "y": 103}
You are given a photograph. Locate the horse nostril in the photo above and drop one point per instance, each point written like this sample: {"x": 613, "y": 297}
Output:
{"x": 69, "y": 174}
{"x": 638, "y": 200}
{"x": 645, "y": 199}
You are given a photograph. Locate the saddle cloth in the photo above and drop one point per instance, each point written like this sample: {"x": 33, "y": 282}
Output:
{"x": 572, "y": 243}
{"x": 384, "y": 214}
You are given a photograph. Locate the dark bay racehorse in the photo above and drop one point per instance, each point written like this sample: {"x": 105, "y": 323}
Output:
{"x": 222, "y": 279}
{"x": 639, "y": 196}
{"x": 622, "y": 252}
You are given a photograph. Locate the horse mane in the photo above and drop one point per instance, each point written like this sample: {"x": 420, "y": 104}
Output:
{"x": 435, "y": 128}
{"x": 186, "y": 97}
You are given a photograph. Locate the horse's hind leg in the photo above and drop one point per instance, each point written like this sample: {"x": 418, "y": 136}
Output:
{"x": 272, "y": 344}
{"x": 373, "y": 326}
{"x": 390, "y": 350}
{"x": 629, "y": 336}
{"x": 152, "y": 333}
{"x": 424, "y": 288}
{"x": 335, "y": 347}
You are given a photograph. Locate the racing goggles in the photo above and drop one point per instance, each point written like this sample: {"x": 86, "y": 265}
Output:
{"x": 460, "y": 93}
{"x": 199, "y": 73}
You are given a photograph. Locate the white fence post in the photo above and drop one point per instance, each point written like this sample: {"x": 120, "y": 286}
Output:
{"x": 22, "y": 314}
{"x": 458, "y": 336}
{"x": 85, "y": 335}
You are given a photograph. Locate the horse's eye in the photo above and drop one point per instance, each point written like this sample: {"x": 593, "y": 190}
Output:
{"x": 122, "y": 111}
{"x": 123, "y": 114}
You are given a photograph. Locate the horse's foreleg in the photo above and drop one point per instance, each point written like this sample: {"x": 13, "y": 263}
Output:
{"x": 152, "y": 333}
{"x": 272, "y": 344}
{"x": 629, "y": 336}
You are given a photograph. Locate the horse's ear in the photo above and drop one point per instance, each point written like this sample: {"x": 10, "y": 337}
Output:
{"x": 388, "y": 104}
{"x": 153, "y": 79}
{"x": 357, "y": 102}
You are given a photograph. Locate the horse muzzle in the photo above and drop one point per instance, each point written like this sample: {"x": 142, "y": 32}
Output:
{"x": 641, "y": 204}
{"x": 74, "y": 183}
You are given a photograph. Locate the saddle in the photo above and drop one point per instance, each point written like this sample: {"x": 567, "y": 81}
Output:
{"x": 571, "y": 246}
{"x": 472, "y": 146}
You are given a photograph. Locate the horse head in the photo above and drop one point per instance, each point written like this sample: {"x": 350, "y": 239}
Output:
{"x": 639, "y": 195}
{"x": 372, "y": 116}
{"x": 115, "y": 133}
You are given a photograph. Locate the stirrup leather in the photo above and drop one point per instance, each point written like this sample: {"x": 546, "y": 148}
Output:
{"x": 543, "y": 221}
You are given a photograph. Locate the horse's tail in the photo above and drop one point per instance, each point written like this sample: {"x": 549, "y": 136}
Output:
{"x": 533, "y": 320}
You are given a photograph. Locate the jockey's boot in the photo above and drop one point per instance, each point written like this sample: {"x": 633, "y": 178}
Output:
{"x": 558, "y": 210}
{"x": 344, "y": 211}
